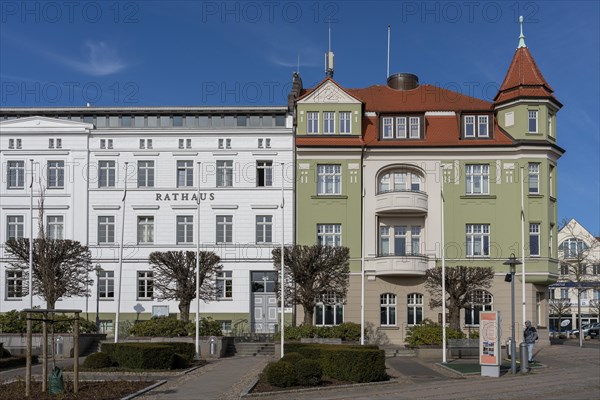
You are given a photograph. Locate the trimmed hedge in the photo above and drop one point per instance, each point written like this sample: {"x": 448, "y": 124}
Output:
{"x": 140, "y": 355}
{"x": 347, "y": 331}
{"x": 97, "y": 361}
{"x": 292, "y": 358}
{"x": 308, "y": 372}
{"x": 172, "y": 327}
{"x": 349, "y": 363}
{"x": 281, "y": 374}
{"x": 3, "y": 352}
{"x": 14, "y": 362}
{"x": 184, "y": 349}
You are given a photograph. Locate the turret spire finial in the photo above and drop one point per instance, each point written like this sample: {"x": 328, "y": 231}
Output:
{"x": 521, "y": 36}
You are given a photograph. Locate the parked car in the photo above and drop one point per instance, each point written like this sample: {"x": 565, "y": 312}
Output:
{"x": 594, "y": 332}
{"x": 586, "y": 329}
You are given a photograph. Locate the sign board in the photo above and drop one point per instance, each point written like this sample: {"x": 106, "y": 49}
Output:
{"x": 489, "y": 338}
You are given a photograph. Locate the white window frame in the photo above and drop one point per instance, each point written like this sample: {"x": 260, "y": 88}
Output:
{"x": 415, "y": 240}
{"x": 411, "y": 125}
{"x": 185, "y": 173}
{"x": 388, "y": 310}
{"x": 533, "y": 177}
{"x": 14, "y": 284}
{"x": 479, "y": 300}
{"x": 329, "y": 179}
{"x": 55, "y": 227}
{"x": 312, "y": 122}
{"x": 477, "y": 173}
{"x": 329, "y": 302}
{"x": 224, "y": 229}
{"x": 106, "y": 224}
{"x": 414, "y": 302}
{"x": 264, "y": 167}
{"x": 145, "y": 174}
{"x": 384, "y": 240}
{"x": 478, "y": 240}
{"x": 145, "y": 285}
{"x": 16, "y": 224}
{"x": 329, "y": 234}
{"x": 469, "y": 120}
{"x": 15, "y": 168}
{"x": 345, "y": 122}
{"x": 108, "y": 170}
{"x": 145, "y": 229}
{"x": 534, "y": 234}
{"x": 56, "y": 174}
{"x": 106, "y": 281}
{"x": 532, "y": 115}
{"x": 387, "y": 131}
{"x": 264, "y": 229}
{"x": 483, "y": 120}
{"x": 184, "y": 233}
{"x": 224, "y": 285}
{"x": 401, "y": 128}
{"x": 329, "y": 122}
{"x": 224, "y": 173}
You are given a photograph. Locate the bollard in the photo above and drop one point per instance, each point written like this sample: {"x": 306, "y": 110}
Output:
{"x": 508, "y": 347}
{"x": 524, "y": 358}
{"x": 58, "y": 349}
{"x": 213, "y": 345}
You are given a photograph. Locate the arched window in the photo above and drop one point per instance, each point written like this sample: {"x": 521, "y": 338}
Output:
{"x": 573, "y": 248}
{"x": 329, "y": 310}
{"x": 388, "y": 309}
{"x": 480, "y": 300}
{"x": 415, "y": 308}
{"x": 399, "y": 181}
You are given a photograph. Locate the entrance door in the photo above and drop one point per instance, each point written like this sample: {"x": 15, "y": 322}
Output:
{"x": 264, "y": 302}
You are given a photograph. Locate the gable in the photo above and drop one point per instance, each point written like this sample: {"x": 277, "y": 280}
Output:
{"x": 328, "y": 93}
{"x": 43, "y": 125}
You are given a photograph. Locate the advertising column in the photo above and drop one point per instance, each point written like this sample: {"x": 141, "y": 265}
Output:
{"x": 490, "y": 356}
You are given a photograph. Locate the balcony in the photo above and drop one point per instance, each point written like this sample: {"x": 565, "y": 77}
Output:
{"x": 401, "y": 201}
{"x": 409, "y": 265}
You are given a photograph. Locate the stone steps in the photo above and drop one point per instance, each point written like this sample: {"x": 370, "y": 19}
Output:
{"x": 254, "y": 349}
{"x": 392, "y": 351}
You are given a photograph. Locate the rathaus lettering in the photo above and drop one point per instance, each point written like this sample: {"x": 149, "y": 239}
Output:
{"x": 184, "y": 196}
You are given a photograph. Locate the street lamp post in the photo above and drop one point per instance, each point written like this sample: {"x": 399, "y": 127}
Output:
{"x": 98, "y": 270}
{"x": 512, "y": 262}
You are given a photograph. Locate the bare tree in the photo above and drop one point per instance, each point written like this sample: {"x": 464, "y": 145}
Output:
{"x": 312, "y": 271}
{"x": 461, "y": 282}
{"x": 559, "y": 308}
{"x": 175, "y": 277}
{"x": 60, "y": 267}
{"x": 577, "y": 253}
{"x": 595, "y": 308}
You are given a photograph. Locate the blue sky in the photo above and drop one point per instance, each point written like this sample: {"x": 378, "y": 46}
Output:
{"x": 243, "y": 53}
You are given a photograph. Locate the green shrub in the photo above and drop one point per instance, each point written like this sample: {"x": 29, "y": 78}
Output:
{"x": 348, "y": 331}
{"x": 292, "y": 358}
{"x": 16, "y": 322}
{"x": 184, "y": 349}
{"x": 281, "y": 374}
{"x": 180, "y": 361}
{"x": 140, "y": 355}
{"x": 429, "y": 333}
{"x": 350, "y": 363}
{"x": 172, "y": 327}
{"x": 97, "y": 361}
{"x": 14, "y": 362}
{"x": 308, "y": 372}
{"x": 3, "y": 352}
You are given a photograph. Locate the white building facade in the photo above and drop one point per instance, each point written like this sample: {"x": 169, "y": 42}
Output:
{"x": 238, "y": 159}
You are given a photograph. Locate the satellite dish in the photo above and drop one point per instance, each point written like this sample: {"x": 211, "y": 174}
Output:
{"x": 565, "y": 323}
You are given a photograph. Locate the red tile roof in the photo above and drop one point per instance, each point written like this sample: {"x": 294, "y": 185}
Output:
{"x": 524, "y": 79}
{"x": 382, "y": 98}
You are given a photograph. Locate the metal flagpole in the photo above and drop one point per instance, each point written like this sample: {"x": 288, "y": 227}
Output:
{"x": 31, "y": 238}
{"x": 523, "y": 247}
{"x": 121, "y": 257}
{"x": 198, "y": 267}
{"x": 443, "y": 271}
{"x": 282, "y": 286}
{"x": 362, "y": 264}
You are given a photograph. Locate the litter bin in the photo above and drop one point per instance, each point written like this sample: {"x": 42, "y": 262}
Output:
{"x": 58, "y": 349}
{"x": 509, "y": 347}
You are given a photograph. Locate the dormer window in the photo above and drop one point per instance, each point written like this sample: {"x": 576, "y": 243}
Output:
{"x": 533, "y": 121}
{"x": 401, "y": 127}
{"x": 476, "y": 126}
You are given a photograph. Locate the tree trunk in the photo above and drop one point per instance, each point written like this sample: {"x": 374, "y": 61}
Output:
{"x": 454, "y": 317}
{"x": 184, "y": 311}
{"x": 50, "y": 305}
{"x": 308, "y": 316}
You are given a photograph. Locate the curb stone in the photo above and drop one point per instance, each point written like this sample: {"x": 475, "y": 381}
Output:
{"x": 146, "y": 389}
{"x": 247, "y": 395}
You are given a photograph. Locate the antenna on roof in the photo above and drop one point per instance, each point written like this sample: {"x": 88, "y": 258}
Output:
{"x": 298, "y": 69}
{"x": 329, "y": 57}
{"x": 388, "y": 54}
{"x": 521, "y": 36}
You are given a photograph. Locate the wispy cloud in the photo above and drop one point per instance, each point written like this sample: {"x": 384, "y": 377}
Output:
{"x": 100, "y": 59}
{"x": 282, "y": 63}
